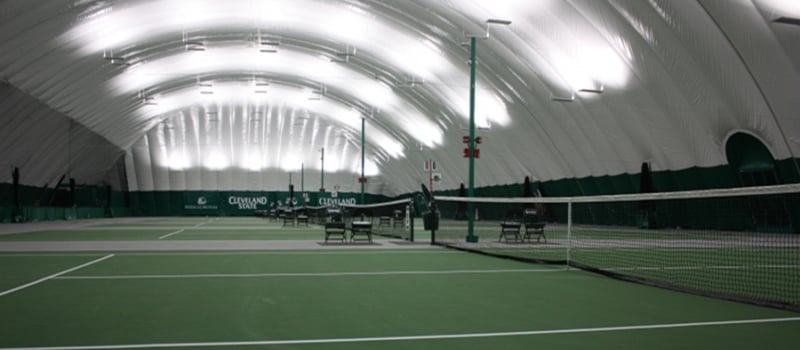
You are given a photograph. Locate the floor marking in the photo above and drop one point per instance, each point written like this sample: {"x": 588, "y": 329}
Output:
{"x": 55, "y": 275}
{"x": 171, "y": 234}
{"x": 305, "y": 274}
{"x": 201, "y": 224}
{"x": 710, "y": 267}
{"x": 299, "y": 252}
{"x": 432, "y": 250}
{"x": 411, "y": 337}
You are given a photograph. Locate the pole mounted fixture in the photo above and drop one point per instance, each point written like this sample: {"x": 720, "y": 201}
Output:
{"x": 489, "y": 22}
{"x": 472, "y": 152}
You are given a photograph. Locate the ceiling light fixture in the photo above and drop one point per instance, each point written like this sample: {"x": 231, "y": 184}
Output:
{"x": 192, "y": 45}
{"x": 787, "y": 20}
{"x": 266, "y": 45}
{"x": 593, "y": 90}
{"x": 563, "y": 99}
{"x": 113, "y": 59}
{"x": 344, "y": 57}
{"x": 147, "y": 99}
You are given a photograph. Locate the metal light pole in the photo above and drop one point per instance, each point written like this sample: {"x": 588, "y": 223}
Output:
{"x": 471, "y": 237}
{"x": 322, "y": 171}
{"x": 363, "y": 179}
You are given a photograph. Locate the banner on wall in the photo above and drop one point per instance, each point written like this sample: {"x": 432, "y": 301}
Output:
{"x": 251, "y": 202}
{"x": 328, "y": 200}
{"x": 200, "y": 201}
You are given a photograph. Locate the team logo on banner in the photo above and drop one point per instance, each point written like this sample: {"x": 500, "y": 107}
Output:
{"x": 247, "y": 202}
{"x": 202, "y": 202}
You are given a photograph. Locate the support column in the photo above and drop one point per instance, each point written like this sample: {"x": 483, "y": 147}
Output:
{"x": 471, "y": 190}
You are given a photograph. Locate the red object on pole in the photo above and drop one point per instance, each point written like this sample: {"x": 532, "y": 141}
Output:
{"x": 362, "y": 180}
{"x": 466, "y": 139}
{"x": 478, "y": 140}
{"x": 430, "y": 179}
{"x": 476, "y": 154}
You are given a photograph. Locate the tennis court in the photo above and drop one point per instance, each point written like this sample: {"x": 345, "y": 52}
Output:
{"x": 302, "y": 294}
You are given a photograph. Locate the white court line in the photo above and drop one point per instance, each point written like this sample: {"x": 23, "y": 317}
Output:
{"x": 710, "y": 267}
{"x": 171, "y": 234}
{"x": 413, "y": 337}
{"x": 306, "y": 274}
{"x": 432, "y": 250}
{"x": 55, "y": 275}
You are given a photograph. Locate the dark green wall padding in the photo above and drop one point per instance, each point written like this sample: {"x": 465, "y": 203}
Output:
{"x": 91, "y": 200}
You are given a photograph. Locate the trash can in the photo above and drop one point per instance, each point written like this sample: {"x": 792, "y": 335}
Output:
{"x": 430, "y": 221}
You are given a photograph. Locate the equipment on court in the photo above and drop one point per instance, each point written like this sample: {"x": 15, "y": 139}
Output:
{"x": 740, "y": 244}
{"x": 389, "y": 219}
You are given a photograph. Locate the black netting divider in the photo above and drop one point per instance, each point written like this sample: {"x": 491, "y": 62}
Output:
{"x": 738, "y": 244}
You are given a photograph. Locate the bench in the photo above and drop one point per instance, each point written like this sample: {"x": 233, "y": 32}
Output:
{"x": 534, "y": 229}
{"x": 399, "y": 218}
{"x": 302, "y": 219}
{"x": 361, "y": 228}
{"x": 288, "y": 218}
{"x": 335, "y": 230}
{"x": 384, "y": 220}
{"x": 509, "y": 228}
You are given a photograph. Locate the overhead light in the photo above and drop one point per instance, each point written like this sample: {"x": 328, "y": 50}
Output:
{"x": 317, "y": 94}
{"x": 593, "y": 90}
{"x": 412, "y": 82}
{"x": 260, "y": 91}
{"x": 787, "y": 20}
{"x": 205, "y": 88}
{"x": 504, "y": 22}
{"x": 195, "y": 46}
{"x": 489, "y": 22}
{"x": 114, "y": 59}
{"x": 147, "y": 99}
{"x": 344, "y": 56}
{"x": 563, "y": 99}
{"x": 267, "y": 45}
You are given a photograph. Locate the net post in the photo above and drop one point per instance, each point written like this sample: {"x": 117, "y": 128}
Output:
{"x": 410, "y": 216}
{"x": 569, "y": 231}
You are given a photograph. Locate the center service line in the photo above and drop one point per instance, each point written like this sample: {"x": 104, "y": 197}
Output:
{"x": 55, "y": 275}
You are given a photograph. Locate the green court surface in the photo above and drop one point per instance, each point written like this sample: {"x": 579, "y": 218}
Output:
{"x": 347, "y": 299}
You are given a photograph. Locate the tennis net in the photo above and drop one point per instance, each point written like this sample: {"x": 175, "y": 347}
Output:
{"x": 738, "y": 244}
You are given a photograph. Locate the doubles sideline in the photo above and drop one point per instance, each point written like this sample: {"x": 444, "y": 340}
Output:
{"x": 414, "y": 337}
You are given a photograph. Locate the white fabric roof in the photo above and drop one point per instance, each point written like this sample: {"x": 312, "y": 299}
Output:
{"x": 235, "y": 94}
